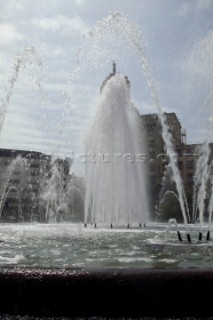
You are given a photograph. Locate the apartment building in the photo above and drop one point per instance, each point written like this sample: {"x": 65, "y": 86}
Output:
{"x": 187, "y": 156}
{"x": 23, "y": 176}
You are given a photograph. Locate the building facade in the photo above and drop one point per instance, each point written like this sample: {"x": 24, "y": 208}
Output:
{"x": 23, "y": 178}
{"x": 187, "y": 155}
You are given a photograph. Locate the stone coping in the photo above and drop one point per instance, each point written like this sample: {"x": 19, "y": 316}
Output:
{"x": 106, "y": 293}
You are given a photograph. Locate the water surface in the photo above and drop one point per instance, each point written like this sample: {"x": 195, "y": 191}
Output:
{"x": 72, "y": 245}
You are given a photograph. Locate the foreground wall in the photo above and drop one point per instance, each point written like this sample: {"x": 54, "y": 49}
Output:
{"x": 107, "y": 293}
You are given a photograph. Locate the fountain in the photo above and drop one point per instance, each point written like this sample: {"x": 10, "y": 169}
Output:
{"x": 57, "y": 234}
{"x": 116, "y": 179}
{"x": 28, "y": 56}
{"x": 113, "y": 197}
{"x": 16, "y": 168}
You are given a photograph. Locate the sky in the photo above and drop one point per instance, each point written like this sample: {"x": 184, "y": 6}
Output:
{"x": 54, "y": 55}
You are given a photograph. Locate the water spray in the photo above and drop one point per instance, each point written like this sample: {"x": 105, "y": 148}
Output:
{"x": 28, "y": 56}
{"x": 174, "y": 222}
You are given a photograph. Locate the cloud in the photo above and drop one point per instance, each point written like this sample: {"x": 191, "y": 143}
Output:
{"x": 144, "y": 107}
{"x": 15, "y": 6}
{"x": 62, "y": 23}
{"x": 184, "y": 9}
{"x": 10, "y": 9}
{"x": 203, "y": 4}
{"x": 21, "y": 132}
{"x": 80, "y": 3}
{"x": 9, "y": 34}
{"x": 199, "y": 5}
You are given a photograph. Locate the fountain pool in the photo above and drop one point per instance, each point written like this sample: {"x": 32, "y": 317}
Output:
{"x": 65, "y": 269}
{"x": 73, "y": 246}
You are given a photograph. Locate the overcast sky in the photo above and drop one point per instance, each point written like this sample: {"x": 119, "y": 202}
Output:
{"x": 51, "y": 106}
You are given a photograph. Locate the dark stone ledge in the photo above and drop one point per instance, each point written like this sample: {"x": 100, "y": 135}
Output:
{"x": 108, "y": 293}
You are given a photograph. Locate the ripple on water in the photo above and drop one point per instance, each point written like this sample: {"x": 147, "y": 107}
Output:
{"x": 45, "y": 246}
{"x": 130, "y": 260}
{"x": 4, "y": 260}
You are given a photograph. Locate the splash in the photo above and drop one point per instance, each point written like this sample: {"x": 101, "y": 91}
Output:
{"x": 115, "y": 181}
